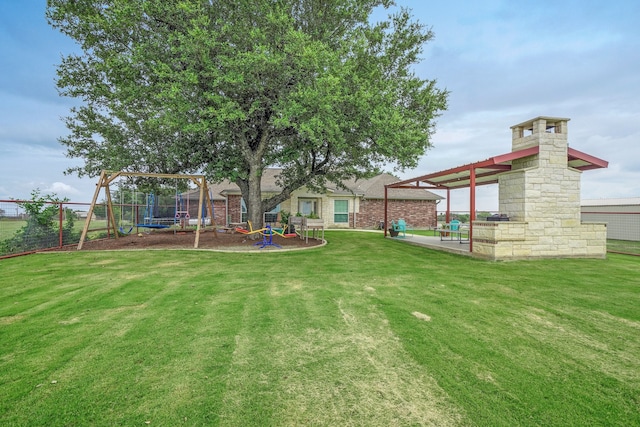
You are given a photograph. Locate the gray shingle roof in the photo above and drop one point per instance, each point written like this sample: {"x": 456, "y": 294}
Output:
{"x": 371, "y": 188}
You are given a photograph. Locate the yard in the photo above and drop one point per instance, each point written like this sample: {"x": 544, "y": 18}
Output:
{"x": 363, "y": 331}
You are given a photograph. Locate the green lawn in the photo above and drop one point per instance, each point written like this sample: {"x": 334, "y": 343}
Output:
{"x": 9, "y": 227}
{"x": 624, "y": 246}
{"x": 364, "y": 331}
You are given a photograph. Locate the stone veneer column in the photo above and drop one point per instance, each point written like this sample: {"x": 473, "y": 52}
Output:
{"x": 541, "y": 195}
{"x": 541, "y": 186}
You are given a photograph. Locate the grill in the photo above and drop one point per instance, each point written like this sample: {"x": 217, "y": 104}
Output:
{"x": 498, "y": 217}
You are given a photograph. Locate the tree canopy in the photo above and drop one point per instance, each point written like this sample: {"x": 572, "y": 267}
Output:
{"x": 230, "y": 87}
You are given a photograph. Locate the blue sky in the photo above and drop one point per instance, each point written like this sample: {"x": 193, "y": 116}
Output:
{"x": 503, "y": 64}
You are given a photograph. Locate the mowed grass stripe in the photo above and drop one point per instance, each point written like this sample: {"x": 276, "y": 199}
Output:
{"x": 142, "y": 337}
{"x": 529, "y": 338}
{"x": 337, "y": 361}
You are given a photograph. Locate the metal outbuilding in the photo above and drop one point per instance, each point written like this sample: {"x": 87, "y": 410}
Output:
{"x": 622, "y": 216}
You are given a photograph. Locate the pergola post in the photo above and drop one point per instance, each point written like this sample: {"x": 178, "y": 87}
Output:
{"x": 385, "y": 210}
{"x": 447, "y": 217}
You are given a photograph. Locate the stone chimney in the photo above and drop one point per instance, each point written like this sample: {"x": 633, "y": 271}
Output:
{"x": 545, "y": 189}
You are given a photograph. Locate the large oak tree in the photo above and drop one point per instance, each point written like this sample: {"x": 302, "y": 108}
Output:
{"x": 231, "y": 87}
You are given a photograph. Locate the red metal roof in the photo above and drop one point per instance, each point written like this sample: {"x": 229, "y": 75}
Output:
{"x": 487, "y": 171}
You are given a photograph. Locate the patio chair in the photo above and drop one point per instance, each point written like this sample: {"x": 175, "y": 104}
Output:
{"x": 404, "y": 227}
{"x": 399, "y": 229}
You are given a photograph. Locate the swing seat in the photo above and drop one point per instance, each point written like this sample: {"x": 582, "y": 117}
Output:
{"x": 152, "y": 225}
{"x": 126, "y": 232}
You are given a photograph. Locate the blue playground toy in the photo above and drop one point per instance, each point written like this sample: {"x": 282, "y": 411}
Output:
{"x": 148, "y": 214}
{"x": 267, "y": 239}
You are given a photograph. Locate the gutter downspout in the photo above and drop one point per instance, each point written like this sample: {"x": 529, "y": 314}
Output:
{"x": 226, "y": 209}
{"x": 355, "y": 197}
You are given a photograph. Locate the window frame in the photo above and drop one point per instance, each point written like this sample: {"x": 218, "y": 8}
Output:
{"x": 344, "y": 214}
{"x": 314, "y": 206}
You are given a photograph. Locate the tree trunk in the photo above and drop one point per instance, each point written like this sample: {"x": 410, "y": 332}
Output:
{"x": 252, "y": 194}
{"x": 254, "y": 201}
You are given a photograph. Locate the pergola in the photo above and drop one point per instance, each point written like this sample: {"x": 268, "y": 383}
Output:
{"x": 483, "y": 172}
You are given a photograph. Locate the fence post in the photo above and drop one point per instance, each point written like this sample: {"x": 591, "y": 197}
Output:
{"x": 60, "y": 211}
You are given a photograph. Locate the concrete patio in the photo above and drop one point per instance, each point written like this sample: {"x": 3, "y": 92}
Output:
{"x": 434, "y": 242}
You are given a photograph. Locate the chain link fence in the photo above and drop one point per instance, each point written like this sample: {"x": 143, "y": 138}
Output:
{"x": 58, "y": 224}
{"x": 623, "y": 227}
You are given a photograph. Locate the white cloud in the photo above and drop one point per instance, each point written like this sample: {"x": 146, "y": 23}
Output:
{"x": 62, "y": 189}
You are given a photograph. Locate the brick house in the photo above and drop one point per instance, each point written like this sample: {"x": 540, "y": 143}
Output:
{"x": 360, "y": 205}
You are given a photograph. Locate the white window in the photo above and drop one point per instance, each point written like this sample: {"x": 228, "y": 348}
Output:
{"x": 271, "y": 217}
{"x": 243, "y": 211}
{"x": 340, "y": 211}
{"x": 308, "y": 207}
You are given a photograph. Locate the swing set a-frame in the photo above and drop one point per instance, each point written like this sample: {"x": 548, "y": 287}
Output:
{"x": 107, "y": 177}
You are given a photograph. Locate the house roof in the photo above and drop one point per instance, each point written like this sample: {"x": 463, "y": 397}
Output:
{"x": 371, "y": 188}
{"x": 487, "y": 171}
{"x": 268, "y": 184}
{"x": 631, "y": 201}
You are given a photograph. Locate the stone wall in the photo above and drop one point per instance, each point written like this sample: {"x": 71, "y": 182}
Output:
{"x": 521, "y": 240}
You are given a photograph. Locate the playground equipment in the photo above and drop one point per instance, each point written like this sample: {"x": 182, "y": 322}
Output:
{"x": 182, "y": 210}
{"x": 280, "y": 232}
{"x": 267, "y": 234}
{"x": 250, "y": 230}
{"x": 133, "y": 214}
{"x": 149, "y": 210}
{"x": 107, "y": 177}
{"x": 267, "y": 238}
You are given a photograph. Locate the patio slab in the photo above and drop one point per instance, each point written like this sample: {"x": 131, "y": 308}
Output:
{"x": 434, "y": 242}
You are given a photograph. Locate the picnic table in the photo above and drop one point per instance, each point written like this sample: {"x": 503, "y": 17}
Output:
{"x": 454, "y": 231}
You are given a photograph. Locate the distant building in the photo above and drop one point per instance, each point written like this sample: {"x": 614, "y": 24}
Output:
{"x": 622, "y": 216}
{"x": 83, "y": 215}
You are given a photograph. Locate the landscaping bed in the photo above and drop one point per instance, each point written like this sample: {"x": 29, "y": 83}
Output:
{"x": 170, "y": 239}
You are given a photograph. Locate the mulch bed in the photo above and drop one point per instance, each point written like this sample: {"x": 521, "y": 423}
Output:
{"x": 168, "y": 239}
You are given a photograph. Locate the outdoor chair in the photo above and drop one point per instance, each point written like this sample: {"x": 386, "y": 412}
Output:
{"x": 399, "y": 229}
{"x": 404, "y": 227}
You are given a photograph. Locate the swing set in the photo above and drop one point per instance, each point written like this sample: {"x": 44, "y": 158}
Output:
{"x": 107, "y": 177}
